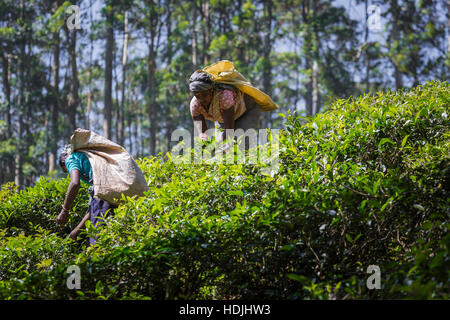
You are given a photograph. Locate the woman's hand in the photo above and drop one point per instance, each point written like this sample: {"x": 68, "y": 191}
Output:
{"x": 63, "y": 217}
{"x": 74, "y": 234}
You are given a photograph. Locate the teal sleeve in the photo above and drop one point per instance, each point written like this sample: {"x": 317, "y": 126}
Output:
{"x": 73, "y": 162}
{"x": 79, "y": 161}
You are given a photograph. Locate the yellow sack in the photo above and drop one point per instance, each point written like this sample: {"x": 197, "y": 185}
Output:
{"x": 225, "y": 72}
{"x": 114, "y": 171}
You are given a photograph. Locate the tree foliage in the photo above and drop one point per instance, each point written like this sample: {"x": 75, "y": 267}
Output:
{"x": 303, "y": 53}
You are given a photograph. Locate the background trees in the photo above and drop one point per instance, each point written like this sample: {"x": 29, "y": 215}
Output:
{"x": 125, "y": 72}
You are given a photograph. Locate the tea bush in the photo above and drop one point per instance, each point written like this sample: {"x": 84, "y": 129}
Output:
{"x": 36, "y": 207}
{"x": 365, "y": 183}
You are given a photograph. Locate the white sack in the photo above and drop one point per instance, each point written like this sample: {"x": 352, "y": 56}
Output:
{"x": 114, "y": 171}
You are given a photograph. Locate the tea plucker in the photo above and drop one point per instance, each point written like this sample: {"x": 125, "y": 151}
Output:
{"x": 221, "y": 103}
{"x": 77, "y": 165}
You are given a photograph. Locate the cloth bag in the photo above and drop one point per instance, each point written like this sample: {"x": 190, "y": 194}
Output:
{"x": 224, "y": 71}
{"x": 114, "y": 171}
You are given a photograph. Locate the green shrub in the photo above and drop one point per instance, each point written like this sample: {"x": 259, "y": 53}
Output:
{"x": 21, "y": 255}
{"x": 24, "y": 211}
{"x": 365, "y": 183}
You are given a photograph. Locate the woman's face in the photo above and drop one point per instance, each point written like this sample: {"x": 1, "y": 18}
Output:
{"x": 63, "y": 166}
{"x": 204, "y": 97}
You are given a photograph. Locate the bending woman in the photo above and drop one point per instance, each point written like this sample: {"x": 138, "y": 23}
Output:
{"x": 221, "y": 103}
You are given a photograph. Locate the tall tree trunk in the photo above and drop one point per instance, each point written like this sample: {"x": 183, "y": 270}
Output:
{"x": 447, "y": 70}
{"x": 315, "y": 66}
{"x": 267, "y": 65}
{"x": 48, "y": 138}
{"x": 87, "y": 122}
{"x": 194, "y": 36}
{"x": 151, "y": 108}
{"x": 448, "y": 38}
{"x": 206, "y": 31}
{"x": 73, "y": 101}
{"x": 309, "y": 88}
{"x": 107, "y": 131}
{"x": 366, "y": 53}
{"x": 53, "y": 141}
{"x": 116, "y": 105}
{"x": 315, "y": 88}
{"x": 124, "y": 77}
{"x": 168, "y": 117}
{"x": 151, "y": 73}
{"x": 20, "y": 149}
{"x": 28, "y": 140}
{"x": 395, "y": 34}
{"x": 308, "y": 57}
{"x": 6, "y": 76}
{"x": 136, "y": 128}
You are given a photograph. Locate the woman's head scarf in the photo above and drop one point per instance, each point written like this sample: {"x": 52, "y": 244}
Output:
{"x": 200, "y": 81}
{"x": 66, "y": 152}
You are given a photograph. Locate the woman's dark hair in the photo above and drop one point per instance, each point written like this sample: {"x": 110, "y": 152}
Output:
{"x": 200, "y": 81}
{"x": 63, "y": 156}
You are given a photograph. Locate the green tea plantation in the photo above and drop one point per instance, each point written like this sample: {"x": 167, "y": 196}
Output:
{"x": 365, "y": 183}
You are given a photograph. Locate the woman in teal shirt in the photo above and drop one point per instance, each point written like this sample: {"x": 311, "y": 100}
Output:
{"x": 79, "y": 161}
{"x": 77, "y": 165}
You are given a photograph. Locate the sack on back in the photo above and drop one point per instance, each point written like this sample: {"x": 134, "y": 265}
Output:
{"x": 114, "y": 171}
